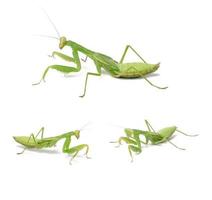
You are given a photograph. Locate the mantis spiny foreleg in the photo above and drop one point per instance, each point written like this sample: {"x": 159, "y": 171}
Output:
{"x": 133, "y": 145}
{"x": 63, "y": 68}
{"x": 77, "y": 149}
{"x": 74, "y": 150}
{"x": 135, "y": 70}
{"x": 62, "y": 56}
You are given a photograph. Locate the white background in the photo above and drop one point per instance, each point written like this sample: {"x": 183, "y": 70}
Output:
{"x": 176, "y": 33}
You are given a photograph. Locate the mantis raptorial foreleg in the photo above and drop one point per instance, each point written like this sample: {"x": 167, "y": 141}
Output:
{"x": 124, "y": 139}
{"x": 93, "y": 74}
{"x": 62, "y": 56}
{"x": 131, "y": 145}
{"x": 62, "y": 68}
{"x": 134, "y": 149}
{"x": 125, "y": 52}
{"x": 75, "y": 150}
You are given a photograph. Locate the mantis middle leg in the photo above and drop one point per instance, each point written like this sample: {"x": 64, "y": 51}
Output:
{"x": 93, "y": 74}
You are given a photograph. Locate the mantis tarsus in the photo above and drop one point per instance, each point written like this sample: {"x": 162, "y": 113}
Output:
{"x": 32, "y": 142}
{"x": 114, "y": 68}
{"x": 151, "y": 136}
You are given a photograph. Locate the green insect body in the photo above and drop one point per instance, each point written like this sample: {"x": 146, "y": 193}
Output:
{"x": 114, "y": 68}
{"x": 135, "y": 70}
{"x": 151, "y": 137}
{"x": 32, "y": 142}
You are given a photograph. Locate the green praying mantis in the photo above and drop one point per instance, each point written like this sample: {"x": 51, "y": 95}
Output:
{"x": 101, "y": 61}
{"x": 32, "y": 142}
{"x": 151, "y": 136}
{"x": 115, "y": 69}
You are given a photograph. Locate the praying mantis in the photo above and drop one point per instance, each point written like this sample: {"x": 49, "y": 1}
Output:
{"x": 151, "y": 136}
{"x": 101, "y": 61}
{"x": 32, "y": 142}
{"x": 115, "y": 69}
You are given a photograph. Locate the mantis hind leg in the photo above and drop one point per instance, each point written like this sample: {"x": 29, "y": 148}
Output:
{"x": 63, "y": 68}
{"x": 152, "y": 83}
{"x": 31, "y": 136}
{"x": 175, "y": 145}
{"x": 125, "y": 52}
{"x": 149, "y": 126}
{"x": 40, "y": 131}
{"x": 133, "y": 68}
{"x": 93, "y": 74}
{"x": 186, "y": 133}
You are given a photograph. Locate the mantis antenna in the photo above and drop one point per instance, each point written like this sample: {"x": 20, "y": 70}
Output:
{"x": 47, "y": 36}
{"x": 55, "y": 28}
{"x": 84, "y": 126}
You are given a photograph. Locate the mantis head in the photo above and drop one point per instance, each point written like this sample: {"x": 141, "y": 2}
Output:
{"x": 77, "y": 134}
{"x": 63, "y": 42}
{"x": 129, "y": 132}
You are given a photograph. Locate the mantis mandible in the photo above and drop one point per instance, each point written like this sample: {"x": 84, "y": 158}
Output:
{"x": 101, "y": 61}
{"x": 151, "y": 136}
{"x": 32, "y": 142}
